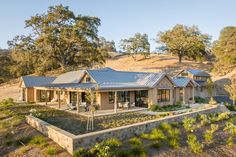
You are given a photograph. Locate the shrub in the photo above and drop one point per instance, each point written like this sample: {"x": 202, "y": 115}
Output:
{"x": 189, "y": 124}
{"x": 38, "y": 140}
{"x": 51, "y": 150}
{"x": 195, "y": 146}
{"x": 200, "y": 100}
{"x": 174, "y": 124}
{"x": 81, "y": 152}
{"x": 173, "y": 138}
{"x": 135, "y": 141}
{"x": 137, "y": 151}
{"x": 230, "y": 128}
{"x": 223, "y": 116}
{"x": 7, "y": 102}
{"x": 157, "y": 135}
{"x": 212, "y": 101}
{"x": 230, "y": 107}
{"x": 208, "y": 135}
{"x": 155, "y": 108}
{"x": 106, "y": 148}
{"x": 203, "y": 119}
{"x": 165, "y": 126}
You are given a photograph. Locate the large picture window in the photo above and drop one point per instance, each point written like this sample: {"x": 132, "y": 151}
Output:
{"x": 163, "y": 95}
{"x": 122, "y": 96}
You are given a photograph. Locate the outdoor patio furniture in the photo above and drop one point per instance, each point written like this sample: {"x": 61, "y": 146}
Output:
{"x": 126, "y": 105}
{"x": 120, "y": 105}
{"x": 72, "y": 106}
{"x": 54, "y": 100}
{"x": 132, "y": 105}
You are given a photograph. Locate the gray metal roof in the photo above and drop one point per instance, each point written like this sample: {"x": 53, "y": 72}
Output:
{"x": 197, "y": 72}
{"x": 109, "y": 77}
{"x": 182, "y": 81}
{"x": 31, "y": 81}
{"x": 69, "y": 77}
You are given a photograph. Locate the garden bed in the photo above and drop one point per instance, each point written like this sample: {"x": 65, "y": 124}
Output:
{"x": 65, "y": 120}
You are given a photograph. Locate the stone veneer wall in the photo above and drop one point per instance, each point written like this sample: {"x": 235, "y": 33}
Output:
{"x": 72, "y": 142}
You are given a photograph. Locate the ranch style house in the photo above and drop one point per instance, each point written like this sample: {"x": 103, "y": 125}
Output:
{"x": 111, "y": 89}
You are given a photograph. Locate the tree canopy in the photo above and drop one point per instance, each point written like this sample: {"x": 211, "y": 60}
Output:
{"x": 225, "y": 50}
{"x": 184, "y": 41}
{"x": 136, "y": 45}
{"x": 60, "y": 37}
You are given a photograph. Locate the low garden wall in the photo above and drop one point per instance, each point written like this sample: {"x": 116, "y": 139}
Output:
{"x": 72, "y": 142}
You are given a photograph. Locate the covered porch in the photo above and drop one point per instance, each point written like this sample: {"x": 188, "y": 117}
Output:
{"x": 80, "y": 99}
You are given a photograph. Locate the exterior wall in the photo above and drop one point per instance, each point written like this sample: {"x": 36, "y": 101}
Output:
{"x": 29, "y": 94}
{"x": 165, "y": 83}
{"x": 188, "y": 94}
{"x": 104, "y": 101}
{"x": 132, "y": 96}
{"x": 176, "y": 95}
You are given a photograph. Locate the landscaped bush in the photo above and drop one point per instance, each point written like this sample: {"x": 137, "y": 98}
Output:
{"x": 195, "y": 146}
{"x": 165, "y": 126}
{"x": 106, "y": 148}
{"x": 203, "y": 119}
{"x": 51, "y": 150}
{"x": 208, "y": 135}
{"x": 135, "y": 141}
{"x": 38, "y": 140}
{"x": 230, "y": 128}
{"x": 189, "y": 124}
{"x": 166, "y": 108}
{"x": 212, "y": 101}
{"x": 173, "y": 138}
{"x": 230, "y": 107}
{"x": 200, "y": 100}
{"x": 137, "y": 151}
{"x": 81, "y": 152}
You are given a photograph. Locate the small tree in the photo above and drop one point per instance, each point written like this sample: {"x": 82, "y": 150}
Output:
{"x": 136, "y": 45}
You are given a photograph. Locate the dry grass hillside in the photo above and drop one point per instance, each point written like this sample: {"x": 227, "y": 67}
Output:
{"x": 154, "y": 63}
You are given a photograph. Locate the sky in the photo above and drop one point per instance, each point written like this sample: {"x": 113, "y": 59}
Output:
{"x": 123, "y": 18}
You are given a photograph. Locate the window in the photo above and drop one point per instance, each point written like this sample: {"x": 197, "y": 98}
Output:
{"x": 123, "y": 96}
{"x": 88, "y": 79}
{"x": 111, "y": 97}
{"x": 73, "y": 97}
{"x": 163, "y": 95}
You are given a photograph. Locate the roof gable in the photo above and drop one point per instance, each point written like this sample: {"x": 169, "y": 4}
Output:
{"x": 69, "y": 77}
{"x": 182, "y": 81}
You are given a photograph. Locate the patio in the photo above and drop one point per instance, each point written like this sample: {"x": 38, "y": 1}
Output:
{"x": 96, "y": 113}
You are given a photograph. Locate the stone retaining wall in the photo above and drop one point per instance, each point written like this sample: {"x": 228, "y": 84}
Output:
{"x": 71, "y": 142}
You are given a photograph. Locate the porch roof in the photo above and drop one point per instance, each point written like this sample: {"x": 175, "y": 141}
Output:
{"x": 70, "y": 86}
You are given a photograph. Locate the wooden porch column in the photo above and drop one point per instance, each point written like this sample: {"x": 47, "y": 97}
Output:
{"x": 59, "y": 99}
{"x": 78, "y": 101}
{"x": 115, "y": 102}
{"x": 183, "y": 95}
{"x": 46, "y": 98}
{"x": 193, "y": 94}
